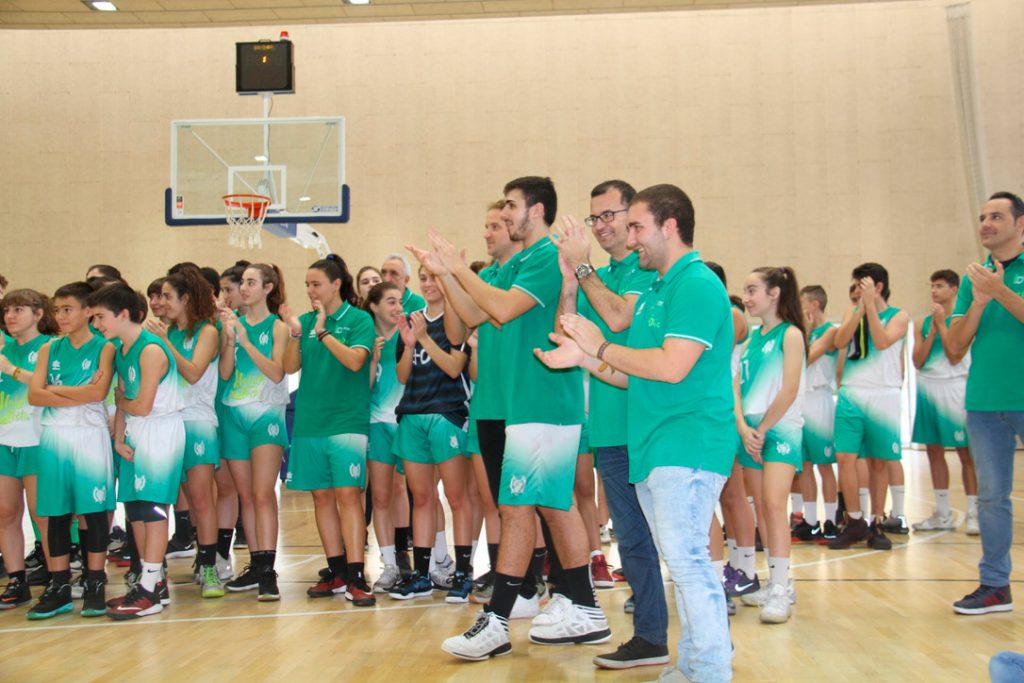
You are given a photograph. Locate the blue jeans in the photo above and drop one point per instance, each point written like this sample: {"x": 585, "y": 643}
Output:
{"x": 678, "y": 503}
{"x": 1006, "y": 667}
{"x": 637, "y": 551}
{"x": 991, "y": 435}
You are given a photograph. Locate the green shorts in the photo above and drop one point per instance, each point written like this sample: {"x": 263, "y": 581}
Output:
{"x": 472, "y": 439}
{"x": 540, "y": 465}
{"x": 783, "y": 443}
{"x": 327, "y": 462}
{"x": 202, "y": 446}
{"x": 154, "y": 472}
{"x": 868, "y": 423}
{"x": 819, "y": 424}
{"x": 243, "y": 428}
{"x": 428, "y": 439}
{"x": 584, "y": 446}
{"x": 940, "y": 417}
{"x": 19, "y": 462}
{"x": 382, "y": 438}
{"x": 75, "y": 474}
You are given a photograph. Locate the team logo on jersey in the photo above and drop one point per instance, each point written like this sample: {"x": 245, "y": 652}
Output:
{"x": 199, "y": 448}
{"x": 517, "y": 485}
{"x": 288, "y": 479}
{"x": 33, "y": 356}
{"x": 131, "y": 374}
{"x": 189, "y": 343}
{"x": 99, "y": 494}
{"x": 264, "y": 339}
{"x": 959, "y": 436}
{"x": 1019, "y": 280}
{"x": 55, "y": 366}
{"x": 768, "y": 347}
{"x": 353, "y": 470}
{"x": 783, "y": 448}
{"x": 140, "y": 483}
{"x": 828, "y": 451}
{"x": 86, "y": 364}
{"x": 273, "y": 429}
{"x": 896, "y": 448}
{"x": 312, "y": 334}
{"x": 453, "y": 442}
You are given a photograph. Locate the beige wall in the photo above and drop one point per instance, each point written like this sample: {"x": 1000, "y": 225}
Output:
{"x": 819, "y": 137}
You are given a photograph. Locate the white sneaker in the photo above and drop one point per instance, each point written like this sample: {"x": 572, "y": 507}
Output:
{"x": 486, "y": 638}
{"x": 776, "y": 606}
{"x": 606, "y": 535}
{"x": 672, "y": 675}
{"x": 971, "y": 526}
{"x": 554, "y": 611}
{"x": 578, "y": 625}
{"x": 389, "y": 577}
{"x": 223, "y": 565}
{"x": 936, "y": 523}
{"x": 441, "y": 574}
{"x": 525, "y": 608}
{"x": 758, "y": 597}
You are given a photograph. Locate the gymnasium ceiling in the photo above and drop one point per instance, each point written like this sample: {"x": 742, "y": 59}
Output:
{"x": 72, "y": 14}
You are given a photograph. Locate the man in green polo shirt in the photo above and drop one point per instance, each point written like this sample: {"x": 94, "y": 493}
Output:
{"x": 396, "y": 270}
{"x": 989, "y": 312}
{"x": 680, "y": 432}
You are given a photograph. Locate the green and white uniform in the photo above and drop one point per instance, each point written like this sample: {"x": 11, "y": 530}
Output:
{"x": 940, "y": 416}
{"x": 19, "y": 421}
{"x": 153, "y": 474}
{"x": 384, "y": 398}
{"x": 75, "y": 463}
{"x": 820, "y": 404}
{"x": 332, "y": 406}
{"x": 254, "y": 407}
{"x": 487, "y": 402}
{"x": 542, "y": 408}
{"x": 202, "y": 441}
{"x": 412, "y": 302}
{"x": 761, "y": 373}
{"x": 868, "y": 409}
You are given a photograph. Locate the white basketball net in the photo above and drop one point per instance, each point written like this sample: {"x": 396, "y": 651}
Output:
{"x": 245, "y": 214}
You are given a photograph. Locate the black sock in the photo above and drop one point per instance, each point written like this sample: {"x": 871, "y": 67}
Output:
{"x": 355, "y": 573}
{"x": 207, "y": 555}
{"x": 492, "y": 554}
{"x": 258, "y": 560}
{"x": 506, "y": 589}
{"x": 18, "y": 576}
{"x": 337, "y": 565}
{"x": 224, "y": 539}
{"x": 135, "y": 562}
{"x": 402, "y": 539}
{"x": 95, "y": 575}
{"x": 61, "y": 578}
{"x": 271, "y": 558}
{"x": 464, "y": 559}
{"x": 580, "y": 587}
{"x": 537, "y": 563}
{"x": 182, "y": 526}
{"x": 421, "y": 560}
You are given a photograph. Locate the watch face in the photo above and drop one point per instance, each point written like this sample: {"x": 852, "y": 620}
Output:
{"x": 583, "y": 270}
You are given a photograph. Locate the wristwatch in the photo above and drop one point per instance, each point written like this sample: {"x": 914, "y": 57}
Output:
{"x": 584, "y": 270}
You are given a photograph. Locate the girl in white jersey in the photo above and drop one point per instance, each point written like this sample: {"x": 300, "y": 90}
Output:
{"x": 769, "y": 398}
{"x": 254, "y": 433}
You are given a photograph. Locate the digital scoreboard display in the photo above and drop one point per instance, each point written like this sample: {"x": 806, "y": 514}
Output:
{"x": 264, "y": 67}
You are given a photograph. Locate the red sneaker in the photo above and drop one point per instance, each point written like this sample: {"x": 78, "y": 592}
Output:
{"x": 618, "y": 574}
{"x": 138, "y": 603}
{"x": 329, "y": 586}
{"x": 360, "y": 595}
{"x": 599, "y": 572}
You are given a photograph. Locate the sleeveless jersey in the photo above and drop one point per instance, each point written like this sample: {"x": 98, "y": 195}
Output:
{"x": 429, "y": 390}
{"x": 821, "y": 374}
{"x": 387, "y": 391}
{"x": 248, "y": 384}
{"x": 937, "y": 365}
{"x": 761, "y": 369}
{"x": 168, "y": 399}
{"x": 71, "y": 367}
{"x": 19, "y": 421}
{"x": 878, "y": 369}
{"x": 199, "y": 398}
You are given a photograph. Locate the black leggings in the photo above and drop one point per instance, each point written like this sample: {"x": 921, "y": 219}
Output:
{"x": 95, "y": 537}
{"x": 491, "y": 435}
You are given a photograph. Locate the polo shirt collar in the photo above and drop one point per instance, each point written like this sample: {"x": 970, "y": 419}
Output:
{"x": 1018, "y": 259}
{"x": 525, "y": 253}
{"x": 342, "y": 310}
{"x": 678, "y": 267}
{"x": 630, "y": 260}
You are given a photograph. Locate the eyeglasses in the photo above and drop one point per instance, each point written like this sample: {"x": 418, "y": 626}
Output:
{"x": 605, "y": 216}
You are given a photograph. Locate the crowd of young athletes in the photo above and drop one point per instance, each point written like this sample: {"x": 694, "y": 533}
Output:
{"x": 107, "y": 397}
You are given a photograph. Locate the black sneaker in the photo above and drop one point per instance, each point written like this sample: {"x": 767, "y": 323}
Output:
{"x": 40, "y": 576}
{"x": 16, "y": 594}
{"x": 36, "y": 558}
{"x": 485, "y": 580}
{"x": 632, "y": 653}
{"x": 267, "y": 583}
{"x": 877, "y": 539}
{"x": 829, "y": 531}
{"x": 984, "y": 600}
{"x": 54, "y": 600}
{"x": 3, "y": 567}
{"x": 245, "y": 581}
{"x": 179, "y": 548}
{"x": 855, "y": 531}
{"x": 94, "y": 601}
{"x": 805, "y": 533}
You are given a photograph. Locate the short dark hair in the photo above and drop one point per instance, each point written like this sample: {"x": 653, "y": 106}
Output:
{"x": 120, "y": 297}
{"x": 949, "y": 276}
{"x": 668, "y": 201}
{"x": 876, "y": 272}
{"x": 106, "y": 270}
{"x": 536, "y": 190}
{"x": 816, "y": 293}
{"x": 719, "y": 271}
{"x": 626, "y": 191}
{"x": 1016, "y": 203}
{"x": 80, "y": 291}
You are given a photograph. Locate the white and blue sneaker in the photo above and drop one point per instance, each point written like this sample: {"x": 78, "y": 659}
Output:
{"x": 578, "y": 625}
{"x": 413, "y": 586}
{"x": 486, "y": 638}
{"x": 462, "y": 586}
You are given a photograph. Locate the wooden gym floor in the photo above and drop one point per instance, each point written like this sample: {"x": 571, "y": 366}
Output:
{"x": 861, "y": 615}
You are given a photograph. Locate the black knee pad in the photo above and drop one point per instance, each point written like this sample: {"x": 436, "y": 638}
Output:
{"x": 58, "y": 535}
{"x": 96, "y": 535}
{"x": 145, "y": 511}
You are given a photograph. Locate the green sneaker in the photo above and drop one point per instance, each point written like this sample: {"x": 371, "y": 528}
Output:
{"x": 95, "y": 598}
{"x": 210, "y": 585}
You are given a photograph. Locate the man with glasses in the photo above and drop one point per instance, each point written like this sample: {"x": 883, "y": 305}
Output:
{"x": 607, "y": 296}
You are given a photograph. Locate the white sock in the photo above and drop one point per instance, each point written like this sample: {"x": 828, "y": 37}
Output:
{"x": 778, "y": 570}
{"x": 972, "y": 503}
{"x": 830, "y": 510}
{"x": 753, "y": 510}
{"x": 440, "y": 548}
{"x": 733, "y": 551}
{"x": 150, "y": 575}
{"x": 719, "y": 566}
{"x": 596, "y": 553}
{"x": 747, "y": 561}
{"x": 899, "y": 493}
{"x": 865, "y": 500}
{"x": 942, "y": 502}
{"x": 797, "y": 501}
{"x": 811, "y": 512}
{"x": 855, "y": 515}
{"x": 472, "y": 550}
{"x": 388, "y": 553}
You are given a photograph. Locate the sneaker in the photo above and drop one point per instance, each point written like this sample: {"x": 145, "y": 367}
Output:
{"x": 606, "y": 535}
{"x": 486, "y": 638}
{"x": 78, "y": 587}
{"x": 180, "y": 548}
{"x": 245, "y": 581}
{"x": 634, "y": 652}
{"x": 618, "y": 574}
{"x": 525, "y": 607}
{"x": 855, "y": 531}
{"x": 805, "y": 533}
{"x": 240, "y": 541}
{"x": 759, "y": 598}
{"x": 40, "y": 576}
{"x": 579, "y": 625}
{"x": 94, "y": 600}
{"x": 629, "y": 606}
{"x": 402, "y": 560}
{"x": 388, "y": 580}
{"x": 414, "y": 586}
{"x": 553, "y": 611}
{"x": 462, "y": 586}
{"x": 829, "y": 532}
{"x": 737, "y": 582}
{"x": 877, "y": 539}
{"x": 138, "y": 603}
{"x": 971, "y": 524}
{"x": 54, "y": 600}
{"x": 123, "y": 559}
{"x": 360, "y": 594}
{"x": 441, "y": 574}
{"x": 895, "y": 524}
{"x": 36, "y": 558}
{"x": 599, "y": 574}
{"x": 118, "y": 537}
{"x": 777, "y": 605}
{"x": 484, "y": 579}
{"x": 16, "y": 594}
{"x": 131, "y": 579}
{"x": 75, "y": 559}
{"x": 985, "y": 599}
{"x": 795, "y": 519}
{"x": 327, "y": 587}
{"x": 936, "y": 523}
{"x": 267, "y": 583}
{"x": 210, "y": 585}
{"x": 482, "y": 594}
{"x": 223, "y": 565}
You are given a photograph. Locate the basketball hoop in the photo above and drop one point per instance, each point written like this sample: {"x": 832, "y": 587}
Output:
{"x": 245, "y": 214}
